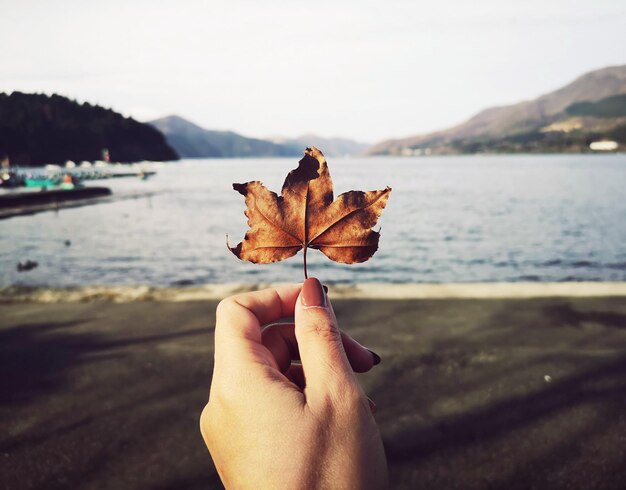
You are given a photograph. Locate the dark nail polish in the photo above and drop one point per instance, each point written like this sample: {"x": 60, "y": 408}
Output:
{"x": 325, "y": 288}
{"x": 376, "y": 357}
{"x": 312, "y": 293}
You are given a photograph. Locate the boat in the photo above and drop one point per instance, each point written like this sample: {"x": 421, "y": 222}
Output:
{"x": 41, "y": 182}
{"x": 66, "y": 181}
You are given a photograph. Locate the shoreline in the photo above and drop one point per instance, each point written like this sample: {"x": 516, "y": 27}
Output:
{"x": 500, "y": 290}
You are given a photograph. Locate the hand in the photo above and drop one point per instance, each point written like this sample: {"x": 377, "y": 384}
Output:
{"x": 273, "y": 424}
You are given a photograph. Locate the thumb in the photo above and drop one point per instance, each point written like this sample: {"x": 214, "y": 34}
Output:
{"x": 324, "y": 361}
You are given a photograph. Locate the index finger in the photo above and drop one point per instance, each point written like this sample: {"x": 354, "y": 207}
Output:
{"x": 239, "y": 318}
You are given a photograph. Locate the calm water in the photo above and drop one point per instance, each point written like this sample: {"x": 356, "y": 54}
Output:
{"x": 456, "y": 219}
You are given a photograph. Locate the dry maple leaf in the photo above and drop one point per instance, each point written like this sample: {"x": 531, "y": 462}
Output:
{"x": 305, "y": 216}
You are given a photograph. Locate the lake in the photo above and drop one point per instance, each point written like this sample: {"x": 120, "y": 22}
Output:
{"x": 449, "y": 219}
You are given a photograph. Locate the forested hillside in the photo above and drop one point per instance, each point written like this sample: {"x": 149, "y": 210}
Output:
{"x": 36, "y": 129}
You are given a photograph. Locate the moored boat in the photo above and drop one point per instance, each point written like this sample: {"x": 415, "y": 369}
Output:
{"x": 41, "y": 182}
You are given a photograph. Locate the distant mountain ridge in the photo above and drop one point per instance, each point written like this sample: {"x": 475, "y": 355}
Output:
{"x": 37, "y": 129}
{"x": 193, "y": 141}
{"x": 522, "y": 126}
{"x": 332, "y": 147}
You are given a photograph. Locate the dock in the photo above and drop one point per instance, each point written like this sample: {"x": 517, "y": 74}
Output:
{"x": 23, "y": 203}
{"x": 21, "y": 199}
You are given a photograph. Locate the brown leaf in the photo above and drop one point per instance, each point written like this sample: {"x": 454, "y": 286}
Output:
{"x": 305, "y": 215}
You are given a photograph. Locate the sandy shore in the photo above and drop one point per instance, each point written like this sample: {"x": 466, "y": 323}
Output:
{"x": 207, "y": 292}
{"x": 510, "y": 390}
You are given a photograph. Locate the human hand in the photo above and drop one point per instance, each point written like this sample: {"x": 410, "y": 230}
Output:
{"x": 270, "y": 423}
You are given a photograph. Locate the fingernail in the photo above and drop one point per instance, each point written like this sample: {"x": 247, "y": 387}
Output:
{"x": 312, "y": 293}
{"x": 325, "y": 288}
{"x": 376, "y": 357}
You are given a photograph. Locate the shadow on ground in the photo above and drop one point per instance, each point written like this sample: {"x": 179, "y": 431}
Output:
{"x": 109, "y": 400}
{"x": 493, "y": 394}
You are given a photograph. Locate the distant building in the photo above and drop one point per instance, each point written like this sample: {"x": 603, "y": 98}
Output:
{"x": 415, "y": 152}
{"x": 604, "y": 146}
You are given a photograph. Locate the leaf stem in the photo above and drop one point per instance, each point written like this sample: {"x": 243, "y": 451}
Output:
{"x": 305, "y": 273}
{"x": 306, "y": 227}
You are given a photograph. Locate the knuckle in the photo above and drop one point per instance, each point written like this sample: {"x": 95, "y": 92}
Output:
{"x": 222, "y": 401}
{"x": 223, "y": 307}
{"x": 225, "y": 395}
{"x": 324, "y": 328}
{"x": 206, "y": 422}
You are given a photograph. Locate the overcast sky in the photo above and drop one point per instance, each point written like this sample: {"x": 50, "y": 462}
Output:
{"x": 367, "y": 70}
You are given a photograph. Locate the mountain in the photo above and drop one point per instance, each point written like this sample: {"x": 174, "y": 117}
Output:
{"x": 604, "y": 108}
{"x": 332, "y": 147}
{"x": 547, "y": 123}
{"x": 36, "y": 129}
{"x": 192, "y": 141}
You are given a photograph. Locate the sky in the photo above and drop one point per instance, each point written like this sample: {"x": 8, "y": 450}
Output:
{"x": 366, "y": 70}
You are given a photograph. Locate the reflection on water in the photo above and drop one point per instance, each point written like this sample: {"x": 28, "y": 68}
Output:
{"x": 449, "y": 219}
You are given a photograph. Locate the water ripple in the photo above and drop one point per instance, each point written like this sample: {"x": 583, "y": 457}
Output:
{"x": 449, "y": 219}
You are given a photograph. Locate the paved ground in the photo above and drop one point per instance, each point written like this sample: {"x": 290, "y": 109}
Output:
{"x": 510, "y": 394}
